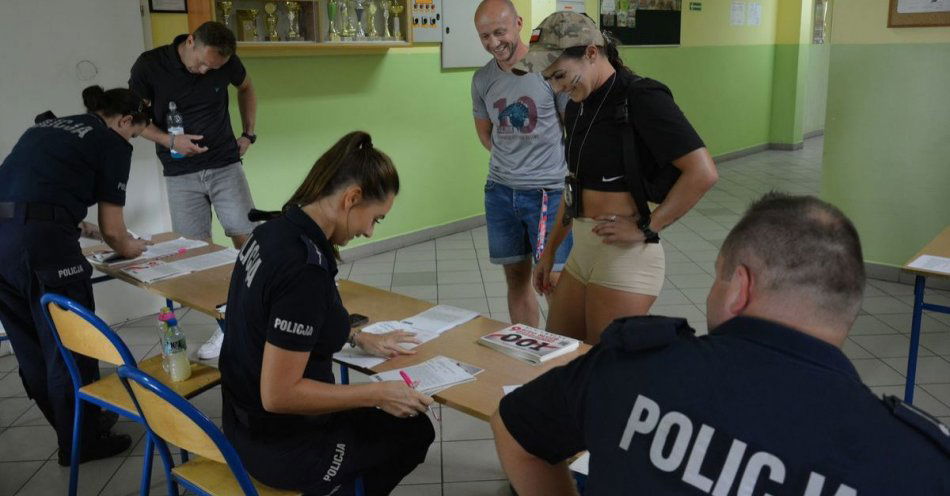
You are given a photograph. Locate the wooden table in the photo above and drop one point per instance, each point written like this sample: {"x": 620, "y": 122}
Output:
{"x": 207, "y": 289}
{"x": 939, "y": 247}
{"x": 203, "y": 291}
{"x": 478, "y": 399}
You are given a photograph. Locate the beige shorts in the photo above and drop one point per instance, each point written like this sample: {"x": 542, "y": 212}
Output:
{"x": 638, "y": 268}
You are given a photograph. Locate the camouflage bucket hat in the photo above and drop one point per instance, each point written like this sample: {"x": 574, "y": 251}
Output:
{"x": 557, "y": 32}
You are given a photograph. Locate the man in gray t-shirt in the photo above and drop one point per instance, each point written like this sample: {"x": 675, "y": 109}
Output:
{"x": 517, "y": 119}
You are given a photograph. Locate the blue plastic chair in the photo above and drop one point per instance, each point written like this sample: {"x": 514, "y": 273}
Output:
{"x": 169, "y": 418}
{"x": 77, "y": 330}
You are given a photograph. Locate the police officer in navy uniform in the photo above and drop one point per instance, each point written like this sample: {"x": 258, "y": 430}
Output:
{"x": 57, "y": 169}
{"x": 293, "y": 427}
{"x": 765, "y": 404}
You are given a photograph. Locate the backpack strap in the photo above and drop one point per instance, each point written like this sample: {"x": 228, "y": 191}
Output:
{"x": 632, "y": 165}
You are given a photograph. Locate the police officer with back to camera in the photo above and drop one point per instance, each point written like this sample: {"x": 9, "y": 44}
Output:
{"x": 767, "y": 403}
{"x": 57, "y": 169}
{"x": 293, "y": 427}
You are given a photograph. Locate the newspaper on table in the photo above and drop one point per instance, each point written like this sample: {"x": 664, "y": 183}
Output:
{"x": 427, "y": 326}
{"x": 431, "y": 376}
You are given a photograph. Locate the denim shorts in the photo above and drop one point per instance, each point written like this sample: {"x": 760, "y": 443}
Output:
{"x": 513, "y": 217}
{"x": 190, "y": 197}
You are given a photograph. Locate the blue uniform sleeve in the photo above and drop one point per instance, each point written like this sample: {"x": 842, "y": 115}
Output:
{"x": 662, "y": 125}
{"x": 112, "y": 176}
{"x": 298, "y": 305}
{"x": 478, "y": 101}
{"x": 236, "y": 70}
{"x": 546, "y": 415}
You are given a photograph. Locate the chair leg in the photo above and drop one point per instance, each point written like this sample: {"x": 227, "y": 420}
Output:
{"x": 74, "y": 454}
{"x": 145, "y": 486}
{"x": 358, "y": 489}
{"x": 167, "y": 462}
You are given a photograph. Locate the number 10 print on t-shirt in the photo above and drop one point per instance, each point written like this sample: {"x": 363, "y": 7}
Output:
{"x": 521, "y": 115}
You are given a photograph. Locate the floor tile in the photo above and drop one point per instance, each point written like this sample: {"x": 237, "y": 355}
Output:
{"x": 476, "y": 304}
{"x": 941, "y": 392}
{"x": 414, "y": 279}
{"x": 457, "y": 426}
{"x": 457, "y": 265}
{"x": 478, "y": 488}
{"x": 452, "y": 255}
{"x": 870, "y": 324}
{"x": 937, "y": 342}
{"x": 470, "y": 290}
{"x": 8, "y": 363}
{"x": 470, "y": 461}
{"x": 429, "y": 471}
{"x": 874, "y": 372}
{"x": 887, "y": 345}
{"x": 13, "y": 475}
{"x": 11, "y": 385}
{"x": 420, "y": 292}
{"x": 53, "y": 479}
{"x": 853, "y": 350}
{"x": 418, "y": 490}
{"x": 930, "y": 370}
{"x": 876, "y": 305}
{"x": 424, "y": 266}
{"x": 459, "y": 277}
{"x": 125, "y": 481}
{"x": 923, "y": 399}
{"x": 12, "y": 408}
{"x": 361, "y": 268}
{"x": 32, "y": 443}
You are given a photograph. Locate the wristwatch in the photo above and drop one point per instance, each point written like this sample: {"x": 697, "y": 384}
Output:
{"x": 250, "y": 137}
{"x": 352, "y": 339}
{"x": 649, "y": 235}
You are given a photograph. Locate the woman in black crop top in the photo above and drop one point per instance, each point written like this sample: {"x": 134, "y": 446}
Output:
{"x": 617, "y": 265}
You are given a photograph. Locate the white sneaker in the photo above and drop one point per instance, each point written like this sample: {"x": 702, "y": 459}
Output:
{"x": 211, "y": 349}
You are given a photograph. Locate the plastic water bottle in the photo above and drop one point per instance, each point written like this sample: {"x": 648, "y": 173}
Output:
{"x": 164, "y": 315}
{"x": 179, "y": 368}
{"x": 176, "y": 125}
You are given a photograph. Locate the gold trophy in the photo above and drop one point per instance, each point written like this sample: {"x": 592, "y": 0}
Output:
{"x": 347, "y": 30}
{"x": 247, "y": 24}
{"x": 270, "y": 21}
{"x": 386, "y": 6}
{"x": 372, "y": 10}
{"x": 359, "y": 6}
{"x": 396, "y": 8}
{"x": 293, "y": 13}
{"x": 333, "y": 19}
{"x": 226, "y": 8}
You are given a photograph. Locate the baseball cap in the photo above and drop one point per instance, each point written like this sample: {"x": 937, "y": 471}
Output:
{"x": 557, "y": 32}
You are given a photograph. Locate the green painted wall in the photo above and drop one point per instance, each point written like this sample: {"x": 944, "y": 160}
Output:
{"x": 816, "y": 88}
{"x": 887, "y": 144}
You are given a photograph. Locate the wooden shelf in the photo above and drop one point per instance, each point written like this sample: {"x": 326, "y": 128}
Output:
{"x": 200, "y": 11}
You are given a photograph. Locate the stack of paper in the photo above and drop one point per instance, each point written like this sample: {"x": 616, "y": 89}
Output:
{"x": 431, "y": 376}
{"x": 155, "y": 270}
{"x": 427, "y": 326}
{"x": 158, "y": 250}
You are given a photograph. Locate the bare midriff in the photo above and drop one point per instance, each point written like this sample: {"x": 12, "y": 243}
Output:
{"x": 596, "y": 203}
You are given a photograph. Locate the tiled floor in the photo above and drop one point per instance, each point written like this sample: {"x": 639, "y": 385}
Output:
{"x": 455, "y": 270}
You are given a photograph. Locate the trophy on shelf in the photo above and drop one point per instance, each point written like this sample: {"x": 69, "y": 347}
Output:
{"x": 333, "y": 19}
{"x": 396, "y": 8}
{"x": 293, "y": 13}
{"x": 359, "y": 6}
{"x": 371, "y": 21}
{"x": 247, "y": 24}
{"x": 226, "y": 8}
{"x": 385, "y": 7}
{"x": 270, "y": 21}
{"x": 346, "y": 21}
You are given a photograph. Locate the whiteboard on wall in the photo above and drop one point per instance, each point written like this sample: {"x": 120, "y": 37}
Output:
{"x": 460, "y": 44}
{"x": 54, "y": 49}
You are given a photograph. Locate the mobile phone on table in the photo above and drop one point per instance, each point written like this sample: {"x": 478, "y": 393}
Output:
{"x": 357, "y": 320}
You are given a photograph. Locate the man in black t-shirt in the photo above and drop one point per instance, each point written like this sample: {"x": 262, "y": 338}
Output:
{"x": 766, "y": 403}
{"x": 194, "y": 72}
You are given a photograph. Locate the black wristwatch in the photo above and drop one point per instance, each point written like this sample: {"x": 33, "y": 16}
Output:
{"x": 250, "y": 137}
{"x": 649, "y": 235}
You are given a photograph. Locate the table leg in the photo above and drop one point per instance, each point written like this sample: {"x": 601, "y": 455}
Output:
{"x": 919, "y": 285}
{"x": 344, "y": 374}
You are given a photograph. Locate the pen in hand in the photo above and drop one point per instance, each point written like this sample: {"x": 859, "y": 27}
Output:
{"x": 409, "y": 382}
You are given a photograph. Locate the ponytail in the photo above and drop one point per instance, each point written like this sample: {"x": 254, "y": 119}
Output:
{"x": 117, "y": 101}
{"x": 351, "y": 160}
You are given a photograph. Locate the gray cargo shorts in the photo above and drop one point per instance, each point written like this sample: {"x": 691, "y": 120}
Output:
{"x": 190, "y": 197}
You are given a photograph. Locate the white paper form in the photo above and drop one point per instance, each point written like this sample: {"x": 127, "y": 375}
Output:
{"x": 208, "y": 260}
{"x": 440, "y": 318}
{"x": 582, "y": 464}
{"x": 163, "y": 249}
{"x": 431, "y": 376}
{"x": 737, "y": 13}
{"x": 154, "y": 270}
{"x": 931, "y": 263}
{"x": 755, "y": 14}
{"x": 359, "y": 358}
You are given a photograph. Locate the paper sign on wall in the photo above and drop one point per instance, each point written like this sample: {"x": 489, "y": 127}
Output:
{"x": 737, "y": 13}
{"x": 755, "y": 14}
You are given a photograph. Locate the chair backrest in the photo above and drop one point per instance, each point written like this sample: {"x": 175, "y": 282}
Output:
{"x": 173, "y": 419}
{"x": 79, "y": 330}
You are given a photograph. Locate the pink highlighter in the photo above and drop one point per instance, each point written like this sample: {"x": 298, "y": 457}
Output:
{"x": 410, "y": 383}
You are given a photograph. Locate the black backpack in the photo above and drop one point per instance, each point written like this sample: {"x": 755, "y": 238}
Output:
{"x": 647, "y": 184}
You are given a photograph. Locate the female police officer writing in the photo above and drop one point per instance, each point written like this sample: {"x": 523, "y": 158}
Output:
{"x": 617, "y": 265}
{"x": 57, "y": 169}
{"x": 292, "y": 426}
